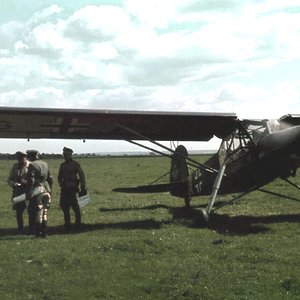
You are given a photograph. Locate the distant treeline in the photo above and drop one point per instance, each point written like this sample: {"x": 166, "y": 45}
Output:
{"x": 81, "y": 155}
{"x": 89, "y": 155}
{"x": 46, "y": 155}
{"x": 76, "y": 155}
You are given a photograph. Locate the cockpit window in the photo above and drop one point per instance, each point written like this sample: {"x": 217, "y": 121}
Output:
{"x": 235, "y": 145}
{"x": 273, "y": 126}
{"x": 238, "y": 143}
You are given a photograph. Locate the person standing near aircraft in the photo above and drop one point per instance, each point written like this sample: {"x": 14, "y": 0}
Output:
{"x": 38, "y": 192}
{"x": 17, "y": 180}
{"x": 70, "y": 175}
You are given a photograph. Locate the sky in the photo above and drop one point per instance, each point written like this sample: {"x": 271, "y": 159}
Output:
{"x": 161, "y": 55}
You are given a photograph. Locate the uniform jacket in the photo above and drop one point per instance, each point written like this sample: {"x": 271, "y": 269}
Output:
{"x": 70, "y": 174}
{"x": 38, "y": 175}
{"x": 18, "y": 174}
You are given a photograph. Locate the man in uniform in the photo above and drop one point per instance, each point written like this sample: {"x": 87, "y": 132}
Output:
{"x": 38, "y": 189}
{"x": 70, "y": 175}
{"x": 17, "y": 180}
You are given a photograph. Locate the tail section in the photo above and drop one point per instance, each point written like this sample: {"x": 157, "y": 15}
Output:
{"x": 179, "y": 170}
{"x": 178, "y": 185}
{"x": 179, "y": 173}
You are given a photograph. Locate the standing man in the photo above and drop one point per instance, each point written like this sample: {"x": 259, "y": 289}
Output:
{"x": 70, "y": 175}
{"x": 38, "y": 189}
{"x": 17, "y": 180}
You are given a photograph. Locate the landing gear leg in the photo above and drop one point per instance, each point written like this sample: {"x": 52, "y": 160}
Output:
{"x": 205, "y": 215}
{"x": 206, "y": 212}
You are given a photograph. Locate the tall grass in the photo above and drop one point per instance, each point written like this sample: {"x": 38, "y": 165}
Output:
{"x": 148, "y": 246}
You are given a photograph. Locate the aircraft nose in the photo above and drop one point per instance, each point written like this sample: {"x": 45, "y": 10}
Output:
{"x": 285, "y": 142}
{"x": 297, "y": 141}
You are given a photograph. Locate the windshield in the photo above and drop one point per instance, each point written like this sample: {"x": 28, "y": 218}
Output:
{"x": 244, "y": 137}
{"x": 273, "y": 126}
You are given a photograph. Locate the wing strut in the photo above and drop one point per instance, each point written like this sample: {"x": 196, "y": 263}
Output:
{"x": 148, "y": 148}
{"x": 235, "y": 199}
{"x": 207, "y": 168}
{"x": 292, "y": 183}
{"x": 158, "y": 152}
{"x": 232, "y": 201}
{"x": 279, "y": 195}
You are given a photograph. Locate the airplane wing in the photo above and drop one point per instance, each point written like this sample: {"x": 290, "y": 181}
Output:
{"x": 113, "y": 124}
{"x": 290, "y": 119}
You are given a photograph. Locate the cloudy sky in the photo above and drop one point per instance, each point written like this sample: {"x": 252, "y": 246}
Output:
{"x": 170, "y": 55}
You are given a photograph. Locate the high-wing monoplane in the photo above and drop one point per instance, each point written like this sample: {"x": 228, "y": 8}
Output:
{"x": 252, "y": 153}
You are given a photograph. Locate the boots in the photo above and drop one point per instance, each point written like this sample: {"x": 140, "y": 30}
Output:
{"x": 41, "y": 229}
{"x": 20, "y": 223}
{"x": 31, "y": 221}
{"x": 38, "y": 229}
{"x": 44, "y": 229}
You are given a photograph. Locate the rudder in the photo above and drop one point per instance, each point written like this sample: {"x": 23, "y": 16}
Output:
{"x": 179, "y": 172}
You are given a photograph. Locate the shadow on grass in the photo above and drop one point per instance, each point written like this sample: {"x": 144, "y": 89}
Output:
{"x": 237, "y": 225}
{"x": 11, "y": 233}
{"x": 189, "y": 217}
{"x": 243, "y": 225}
{"x": 130, "y": 225}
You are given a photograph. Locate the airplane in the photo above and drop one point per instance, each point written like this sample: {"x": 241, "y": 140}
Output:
{"x": 252, "y": 152}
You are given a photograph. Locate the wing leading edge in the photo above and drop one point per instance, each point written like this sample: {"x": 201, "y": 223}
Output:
{"x": 112, "y": 124}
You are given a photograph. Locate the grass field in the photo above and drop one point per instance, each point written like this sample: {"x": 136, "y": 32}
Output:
{"x": 139, "y": 246}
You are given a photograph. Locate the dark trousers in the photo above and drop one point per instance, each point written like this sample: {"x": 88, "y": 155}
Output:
{"x": 32, "y": 209}
{"x": 68, "y": 200}
{"x": 19, "y": 208}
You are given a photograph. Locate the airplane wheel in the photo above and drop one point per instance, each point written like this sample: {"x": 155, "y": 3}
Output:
{"x": 205, "y": 215}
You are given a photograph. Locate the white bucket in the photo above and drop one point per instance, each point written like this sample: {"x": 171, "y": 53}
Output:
{"x": 19, "y": 198}
{"x": 83, "y": 200}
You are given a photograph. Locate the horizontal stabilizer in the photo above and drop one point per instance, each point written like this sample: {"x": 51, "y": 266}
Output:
{"x": 157, "y": 188}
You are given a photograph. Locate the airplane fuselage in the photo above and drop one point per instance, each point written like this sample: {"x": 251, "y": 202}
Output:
{"x": 275, "y": 155}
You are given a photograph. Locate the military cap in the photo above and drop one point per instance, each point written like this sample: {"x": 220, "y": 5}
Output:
{"x": 32, "y": 152}
{"x": 20, "y": 154}
{"x": 67, "y": 150}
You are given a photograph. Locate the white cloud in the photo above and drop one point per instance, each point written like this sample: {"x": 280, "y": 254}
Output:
{"x": 103, "y": 51}
{"x": 47, "y": 13}
{"x": 237, "y": 56}
{"x": 9, "y": 33}
{"x": 97, "y": 23}
{"x": 153, "y": 13}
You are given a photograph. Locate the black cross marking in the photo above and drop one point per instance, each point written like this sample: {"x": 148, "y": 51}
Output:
{"x": 4, "y": 125}
{"x": 66, "y": 125}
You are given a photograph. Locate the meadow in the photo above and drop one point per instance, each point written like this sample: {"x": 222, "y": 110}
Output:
{"x": 149, "y": 246}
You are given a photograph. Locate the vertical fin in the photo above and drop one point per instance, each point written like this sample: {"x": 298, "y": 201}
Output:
{"x": 179, "y": 172}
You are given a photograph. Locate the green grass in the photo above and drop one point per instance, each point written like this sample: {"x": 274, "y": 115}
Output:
{"x": 148, "y": 246}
